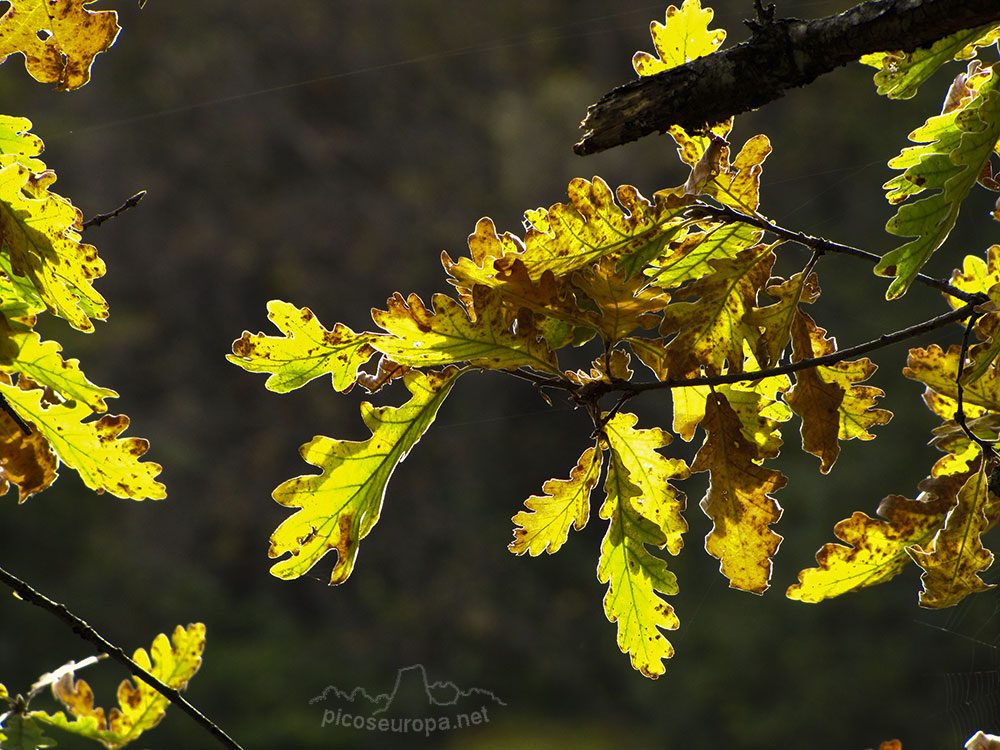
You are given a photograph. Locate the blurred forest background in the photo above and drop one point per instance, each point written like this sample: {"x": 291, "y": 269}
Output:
{"x": 324, "y": 153}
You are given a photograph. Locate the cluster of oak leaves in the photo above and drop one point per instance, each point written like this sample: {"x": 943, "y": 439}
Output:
{"x": 685, "y": 293}
{"x": 48, "y": 401}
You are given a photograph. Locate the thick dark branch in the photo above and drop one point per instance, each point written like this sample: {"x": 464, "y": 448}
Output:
{"x": 86, "y": 632}
{"x": 780, "y": 55}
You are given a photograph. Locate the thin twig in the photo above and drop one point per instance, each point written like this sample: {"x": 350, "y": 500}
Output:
{"x": 86, "y": 632}
{"x": 597, "y": 389}
{"x": 960, "y": 406}
{"x": 5, "y": 406}
{"x": 818, "y": 244}
{"x": 101, "y": 218}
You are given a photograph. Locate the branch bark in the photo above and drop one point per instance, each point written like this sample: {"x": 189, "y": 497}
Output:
{"x": 781, "y": 54}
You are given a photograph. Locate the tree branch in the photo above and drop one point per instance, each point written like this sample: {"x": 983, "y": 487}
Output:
{"x": 780, "y": 55}
{"x": 86, "y": 632}
{"x": 816, "y": 244}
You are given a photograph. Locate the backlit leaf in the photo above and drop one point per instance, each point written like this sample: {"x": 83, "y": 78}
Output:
{"x": 104, "y": 461}
{"x": 938, "y": 370}
{"x": 17, "y": 144}
{"x": 954, "y": 147}
{"x": 658, "y": 501}
{"x": 878, "y": 548}
{"x": 446, "y": 334}
{"x": 544, "y": 527}
{"x": 338, "y": 507}
{"x": 955, "y": 557}
{"x": 58, "y": 38}
{"x": 40, "y": 231}
{"x": 305, "y": 352}
{"x": 23, "y": 351}
{"x": 710, "y": 331}
{"x": 26, "y": 461}
{"x": 738, "y": 500}
{"x": 684, "y": 36}
{"x": 829, "y": 400}
{"x": 625, "y": 303}
{"x": 980, "y": 277}
{"x": 140, "y": 707}
{"x": 901, "y": 73}
{"x": 634, "y": 576}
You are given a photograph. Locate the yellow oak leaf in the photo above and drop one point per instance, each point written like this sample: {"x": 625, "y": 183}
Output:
{"x": 980, "y": 277}
{"x": 604, "y": 369}
{"x": 566, "y": 237}
{"x": 58, "y": 38}
{"x": 23, "y": 351}
{"x": 634, "y": 576}
{"x": 446, "y": 334}
{"x": 341, "y": 505}
{"x": 140, "y": 706}
{"x": 624, "y": 302}
{"x": 691, "y": 257}
{"x": 544, "y": 527}
{"x": 829, "y": 400}
{"x": 40, "y": 231}
{"x": 306, "y": 351}
{"x": 104, "y": 461}
{"x": 938, "y": 370}
{"x": 17, "y": 144}
{"x": 776, "y": 320}
{"x": 684, "y": 36}
{"x": 878, "y": 548}
{"x": 955, "y": 557}
{"x": 710, "y": 332}
{"x": 738, "y": 499}
{"x": 636, "y": 450}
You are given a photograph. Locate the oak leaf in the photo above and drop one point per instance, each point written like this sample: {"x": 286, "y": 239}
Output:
{"x": 738, "y": 499}
{"x": 682, "y": 37}
{"x": 544, "y": 527}
{"x": 58, "y": 38}
{"x": 954, "y": 148}
{"x": 104, "y": 461}
{"x": 341, "y": 505}
{"x": 140, "y": 706}
{"x": 828, "y": 398}
{"x": 306, "y": 351}
{"x": 446, "y": 334}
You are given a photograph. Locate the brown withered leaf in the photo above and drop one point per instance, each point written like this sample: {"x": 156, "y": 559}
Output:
{"x": 26, "y": 461}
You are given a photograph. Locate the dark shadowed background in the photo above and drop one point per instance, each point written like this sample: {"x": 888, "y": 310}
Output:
{"x": 324, "y": 153}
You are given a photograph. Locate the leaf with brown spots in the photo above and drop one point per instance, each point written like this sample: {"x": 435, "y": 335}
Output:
{"x": 738, "y": 499}
{"x": 306, "y": 350}
{"x": 140, "y": 706}
{"x": 58, "y": 38}
{"x": 446, "y": 333}
{"x": 341, "y": 505}
{"x": 829, "y": 400}
{"x": 878, "y": 548}
{"x": 709, "y": 333}
{"x": 955, "y": 557}
{"x": 104, "y": 461}
{"x": 624, "y": 303}
{"x": 544, "y": 527}
{"x": 938, "y": 370}
{"x": 26, "y": 461}
{"x": 40, "y": 232}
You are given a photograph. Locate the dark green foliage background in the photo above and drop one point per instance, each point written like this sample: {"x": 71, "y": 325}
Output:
{"x": 324, "y": 154}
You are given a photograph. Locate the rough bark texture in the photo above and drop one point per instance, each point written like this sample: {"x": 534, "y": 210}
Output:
{"x": 780, "y": 54}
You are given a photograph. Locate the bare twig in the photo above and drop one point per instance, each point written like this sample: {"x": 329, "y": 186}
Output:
{"x": 817, "y": 244}
{"x": 5, "y": 406}
{"x": 960, "y": 406}
{"x": 132, "y": 202}
{"x": 781, "y": 54}
{"x": 86, "y": 632}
